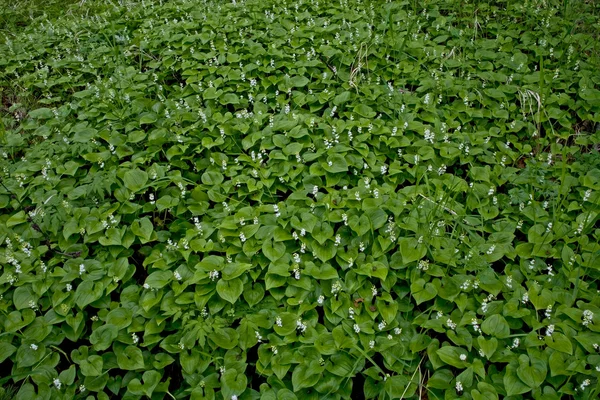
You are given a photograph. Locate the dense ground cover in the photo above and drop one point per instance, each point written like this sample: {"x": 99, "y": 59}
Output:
{"x": 309, "y": 199}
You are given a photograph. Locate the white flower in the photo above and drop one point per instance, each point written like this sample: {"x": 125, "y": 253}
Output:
{"x": 177, "y": 275}
{"x": 588, "y": 316}
{"x": 371, "y": 343}
{"x": 33, "y": 346}
{"x": 450, "y": 324}
{"x": 356, "y": 328}
{"x": 549, "y": 330}
{"x": 213, "y": 275}
{"x": 69, "y": 287}
{"x": 459, "y": 386}
{"x": 397, "y": 331}
{"x": 300, "y": 326}
{"x": 381, "y": 325}
{"x": 320, "y": 300}
{"x": 463, "y": 357}
{"x": 278, "y": 322}
{"x": 146, "y": 286}
{"x": 57, "y": 383}
{"x": 585, "y": 384}
{"x": 135, "y": 338}
{"x": 82, "y": 388}
{"x": 81, "y": 269}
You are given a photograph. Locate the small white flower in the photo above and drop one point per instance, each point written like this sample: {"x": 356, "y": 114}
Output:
{"x": 278, "y": 322}
{"x": 57, "y": 383}
{"x": 463, "y": 357}
{"x": 450, "y": 324}
{"x": 69, "y": 287}
{"x": 459, "y": 386}
{"x": 321, "y": 300}
{"x": 135, "y": 338}
{"x": 33, "y": 346}
{"x": 397, "y": 331}
{"x": 549, "y": 330}
{"x": 371, "y": 343}
{"x": 588, "y": 316}
{"x": 81, "y": 269}
{"x": 356, "y": 328}
{"x": 177, "y": 275}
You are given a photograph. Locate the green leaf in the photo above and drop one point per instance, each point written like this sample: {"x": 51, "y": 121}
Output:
{"x": 532, "y": 371}
{"x": 142, "y": 228}
{"x": 497, "y": 326}
{"x": 87, "y": 292}
{"x": 451, "y": 356}
{"x": 422, "y": 291}
{"x": 341, "y": 98}
{"x": 24, "y": 297}
{"x": 130, "y": 358}
{"x": 299, "y": 81}
{"x": 233, "y": 383}
{"x": 120, "y": 317}
{"x": 304, "y": 377}
{"x": 273, "y": 250}
{"x": 135, "y": 179}
{"x": 487, "y": 346}
{"x": 558, "y": 341}
{"x": 512, "y": 384}
{"x": 230, "y": 290}
{"x": 102, "y": 337}
{"x": 16, "y": 219}
{"x": 92, "y": 366}
{"x": 365, "y": 111}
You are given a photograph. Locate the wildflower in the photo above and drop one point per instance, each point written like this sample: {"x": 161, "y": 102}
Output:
{"x": 587, "y": 194}
{"x": 450, "y": 324}
{"x": 525, "y": 298}
{"x": 258, "y": 336}
{"x": 177, "y": 275}
{"x": 475, "y": 325}
{"x": 82, "y": 388}
{"x": 135, "y": 338}
{"x": 549, "y": 330}
{"x": 300, "y": 326}
{"x": 213, "y": 275}
{"x": 459, "y": 386}
{"x": 278, "y": 322}
{"x": 57, "y": 383}
{"x": 548, "y": 311}
{"x": 356, "y": 328}
{"x": 146, "y": 286}
{"x": 585, "y": 384}
{"x": 33, "y": 346}
{"x": 336, "y": 287}
{"x": 371, "y": 343}
{"x": 242, "y": 237}
{"x": 381, "y": 325}
{"x": 69, "y": 287}
{"x": 397, "y": 331}
{"x": 463, "y": 357}
{"x": 274, "y": 349}
{"x": 374, "y": 290}
{"x": 321, "y": 300}
{"x": 587, "y": 317}
{"x": 81, "y": 269}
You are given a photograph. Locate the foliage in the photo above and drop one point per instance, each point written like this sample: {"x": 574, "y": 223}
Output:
{"x": 315, "y": 200}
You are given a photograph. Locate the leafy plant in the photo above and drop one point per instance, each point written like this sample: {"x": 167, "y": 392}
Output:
{"x": 311, "y": 200}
